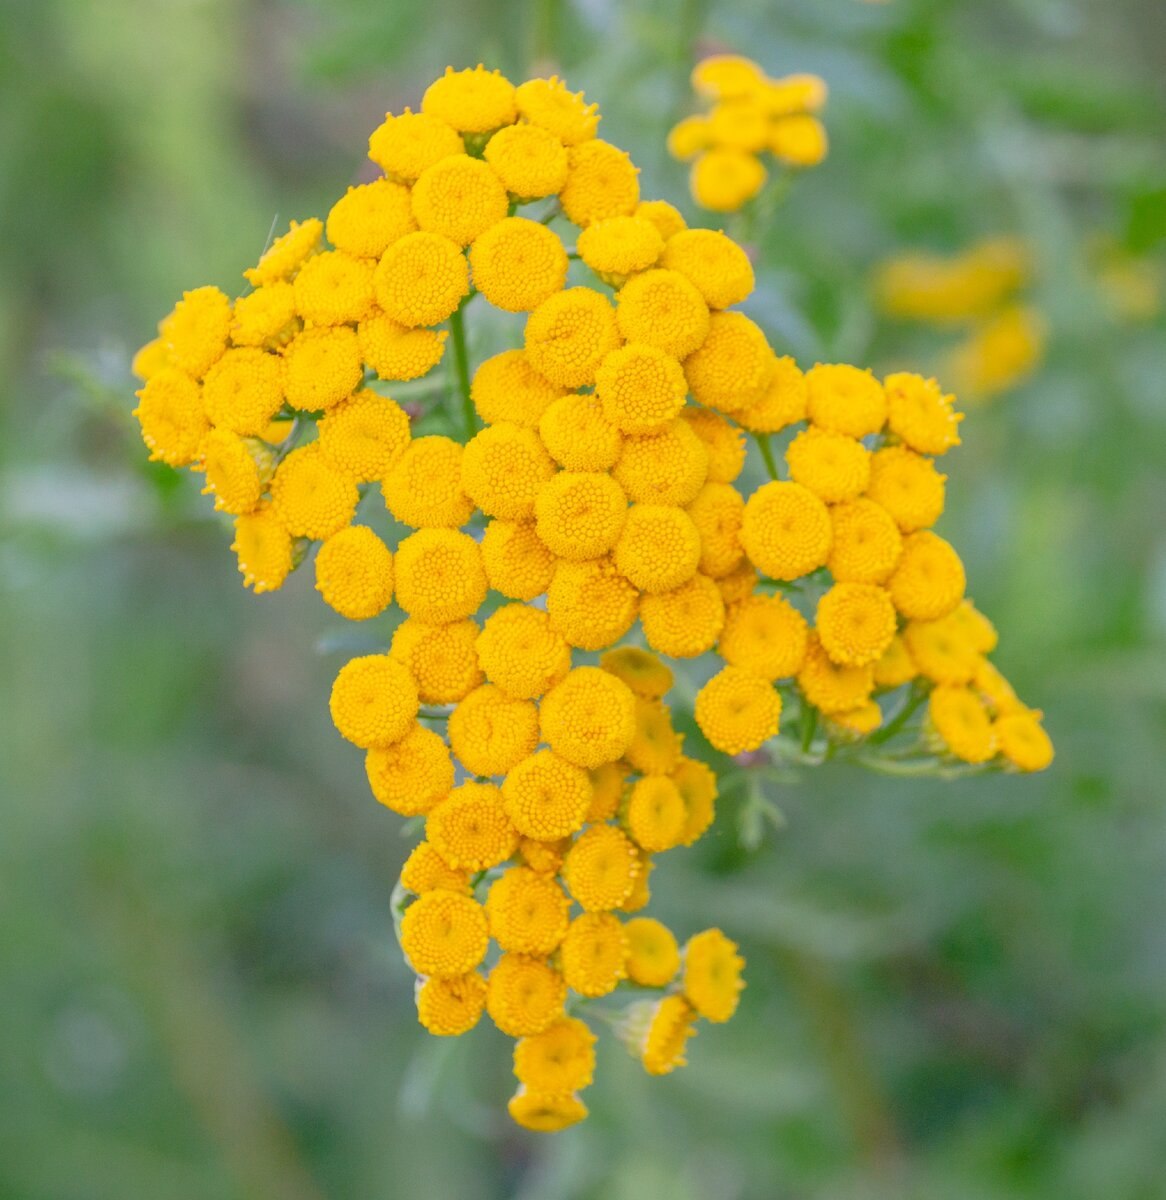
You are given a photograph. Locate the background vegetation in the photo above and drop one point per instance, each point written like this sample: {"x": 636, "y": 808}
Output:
{"x": 957, "y": 990}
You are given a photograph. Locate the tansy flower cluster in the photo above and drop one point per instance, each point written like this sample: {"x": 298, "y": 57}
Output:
{"x": 592, "y": 502}
{"x": 979, "y": 292}
{"x": 749, "y": 116}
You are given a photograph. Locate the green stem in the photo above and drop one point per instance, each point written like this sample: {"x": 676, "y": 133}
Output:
{"x": 461, "y": 362}
{"x": 809, "y": 724}
{"x": 766, "y": 449}
{"x": 900, "y": 719}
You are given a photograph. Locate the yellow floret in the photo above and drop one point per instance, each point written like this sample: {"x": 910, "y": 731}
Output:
{"x": 830, "y": 687}
{"x": 960, "y": 723}
{"x": 659, "y": 548}
{"x": 856, "y": 723}
{"x": 1023, "y": 741}
{"x": 172, "y": 418}
{"x": 908, "y": 486}
{"x": 594, "y": 954}
{"x": 712, "y": 975}
{"x": 443, "y": 659}
{"x": 284, "y": 257}
{"x": 726, "y": 180}
{"x": 739, "y": 124}
{"x": 717, "y": 267}
{"x": 843, "y": 399}
{"x": 507, "y": 388}
{"x": 662, "y": 309}
{"x": 423, "y": 487}
{"x": 727, "y": 76}
{"x": 601, "y": 867}
{"x": 569, "y": 335}
{"x": 733, "y": 365}
{"x": 688, "y": 137}
{"x": 995, "y": 689}
{"x": 363, "y": 437}
{"x": 697, "y": 784}
{"x": 195, "y": 333}
{"x": 589, "y": 717}
{"x": 896, "y": 665}
{"x": 425, "y": 869}
{"x": 866, "y": 542}
{"x": 412, "y": 775}
{"x": 782, "y": 401}
{"x": 354, "y": 573}
{"x": 580, "y": 514}
{"x": 685, "y": 622}
{"x": 548, "y": 104}
{"x": 517, "y": 264}
{"x": 666, "y": 217}
{"x": 530, "y": 161}
{"x": 644, "y": 673}
{"x": 656, "y": 815}
{"x": 577, "y": 434}
{"x": 544, "y": 857}
{"x": 560, "y": 1059}
{"x": 766, "y": 635}
{"x": 546, "y": 796}
{"x": 786, "y": 531}
{"x": 939, "y": 651}
{"x": 546, "y": 1112}
{"x": 668, "y": 466}
{"x": 491, "y": 732}
{"x": 470, "y": 828}
{"x": 517, "y": 561}
{"x": 929, "y": 580}
{"x": 724, "y": 442}
{"x": 831, "y": 465}
{"x": 266, "y": 316}
{"x": 310, "y": 496}
{"x": 504, "y": 468}
{"x": 653, "y": 955}
{"x": 406, "y": 145}
{"x": 619, "y": 246}
{"x": 472, "y": 101}
{"x": 370, "y": 217}
{"x": 524, "y": 996}
{"x": 528, "y": 912}
{"x": 323, "y": 368}
{"x": 919, "y": 412}
{"x": 739, "y": 584}
{"x": 855, "y": 622}
{"x": 655, "y": 750}
{"x": 242, "y": 391}
{"x": 451, "y": 1007}
{"x": 264, "y": 549}
{"x": 718, "y": 512}
{"x": 974, "y": 627}
{"x": 641, "y": 388}
{"x": 592, "y": 604}
{"x": 444, "y": 934}
{"x": 396, "y": 352}
{"x": 737, "y": 710}
{"x": 607, "y": 783}
{"x": 374, "y": 701}
{"x": 602, "y": 181}
{"x": 235, "y": 470}
{"x": 641, "y": 892}
{"x": 793, "y": 94}
{"x": 999, "y": 353}
{"x": 521, "y": 653}
{"x": 459, "y": 198}
{"x": 799, "y": 140}
{"x": 421, "y": 279}
{"x": 334, "y": 288}
{"x": 657, "y": 1032}
{"x": 440, "y": 576}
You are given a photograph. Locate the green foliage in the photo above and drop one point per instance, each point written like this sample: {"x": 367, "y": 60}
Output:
{"x": 955, "y": 988}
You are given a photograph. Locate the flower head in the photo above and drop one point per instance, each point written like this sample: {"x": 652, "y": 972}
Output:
{"x": 374, "y": 701}
{"x": 354, "y": 573}
{"x": 440, "y": 576}
{"x": 444, "y": 934}
{"x": 412, "y": 774}
{"x": 491, "y": 732}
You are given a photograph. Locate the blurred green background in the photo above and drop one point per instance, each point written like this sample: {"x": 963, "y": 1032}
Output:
{"x": 956, "y": 990}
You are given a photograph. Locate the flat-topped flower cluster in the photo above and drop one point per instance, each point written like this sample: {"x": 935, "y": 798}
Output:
{"x": 597, "y": 487}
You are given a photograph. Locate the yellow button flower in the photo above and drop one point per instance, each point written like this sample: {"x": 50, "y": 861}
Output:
{"x": 517, "y": 561}
{"x": 546, "y": 1112}
{"x": 284, "y": 257}
{"x": 235, "y": 470}
{"x": 425, "y": 870}
{"x": 577, "y": 434}
{"x": 656, "y": 816}
{"x": 443, "y": 659}
{"x": 919, "y": 412}
{"x": 569, "y": 335}
{"x": 659, "y": 548}
{"x": 491, "y": 732}
{"x": 396, "y": 352}
{"x": 908, "y": 486}
{"x": 856, "y": 622}
{"x": 723, "y": 441}
{"x": 172, "y": 418}
{"x": 528, "y": 912}
{"x": 580, "y": 514}
{"x": 530, "y": 161}
{"x": 374, "y": 701}
{"x": 667, "y": 1026}
{"x": 242, "y": 391}
{"x": 831, "y": 687}
{"x": 517, "y": 264}
{"x": 619, "y": 246}
{"x": 267, "y": 314}
{"x": 602, "y": 181}
{"x": 666, "y": 217}
{"x": 843, "y": 399}
{"x": 524, "y": 995}
{"x": 548, "y": 104}
{"x": 655, "y": 750}
{"x": 470, "y": 828}
{"x": 368, "y": 218}
{"x": 589, "y": 717}
{"x": 310, "y": 496}
{"x": 507, "y": 388}
{"x": 686, "y": 621}
{"x": 592, "y": 604}
{"x": 738, "y": 710}
{"x": 662, "y": 309}
{"x": 440, "y": 576}
{"x": 363, "y": 437}
{"x": 896, "y": 665}
{"x": 601, "y": 867}
{"x": 718, "y": 513}
{"x": 733, "y": 365}
{"x": 644, "y": 673}
{"x": 961, "y": 723}
{"x": 726, "y": 180}
{"x": 421, "y": 279}
{"x": 560, "y": 1059}
{"x": 407, "y": 144}
{"x": 1023, "y": 741}
{"x": 799, "y": 140}
{"x": 413, "y": 774}
{"x": 866, "y": 542}
{"x": 716, "y": 266}
{"x": 594, "y": 954}
{"x": 668, "y": 466}
{"x": 459, "y": 198}
{"x": 195, "y": 333}
{"x": 354, "y": 573}
{"x": 786, "y": 530}
{"x": 546, "y": 796}
{"x": 521, "y": 652}
{"x": 423, "y": 486}
{"x": 782, "y": 401}
{"x": 831, "y": 465}
{"x": 653, "y": 956}
{"x": 444, "y": 934}
{"x": 264, "y": 549}
{"x": 334, "y": 288}
{"x": 607, "y": 788}
{"x": 323, "y": 368}
{"x": 929, "y": 580}
{"x": 766, "y": 635}
{"x": 697, "y": 784}
{"x": 640, "y": 387}
{"x": 504, "y": 468}
{"x": 472, "y": 101}
{"x": 712, "y": 975}
{"x": 451, "y": 1007}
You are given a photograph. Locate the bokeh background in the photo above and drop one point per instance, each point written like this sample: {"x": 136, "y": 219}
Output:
{"x": 956, "y": 989}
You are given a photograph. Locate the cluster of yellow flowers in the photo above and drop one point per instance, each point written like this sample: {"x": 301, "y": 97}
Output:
{"x": 750, "y": 115}
{"x": 596, "y": 486}
{"x": 977, "y": 291}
